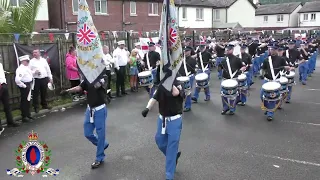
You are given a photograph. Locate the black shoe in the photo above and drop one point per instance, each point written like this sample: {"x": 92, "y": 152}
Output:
{"x": 96, "y": 164}
{"x": 280, "y": 108}
{"x": 132, "y": 89}
{"x": 118, "y": 95}
{"x": 187, "y": 109}
{"x": 36, "y": 110}
{"x": 29, "y": 117}
{"x": 15, "y": 124}
{"x": 124, "y": 93}
{"x": 242, "y": 104}
{"x": 231, "y": 113}
{"x": 195, "y": 100}
{"x": 26, "y": 120}
{"x": 47, "y": 107}
{"x": 265, "y": 113}
{"x": 288, "y": 102}
{"x": 1, "y": 130}
{"x": 269, "y": 118}
{"x": 224, "y": 112}
{"x": 207, "y": 99}
{"x": 178, "y": 156}
{"x": 106, "y": 147}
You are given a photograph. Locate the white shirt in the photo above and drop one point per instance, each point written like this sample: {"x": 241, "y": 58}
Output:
{"x": 108, "y": 60}
{"x": 120, "y": 57}
{"x": 2, "y": 75}
{"x": 42, "y": 66}
{"x": 23, "y": 75}
{"x": 140, "y": 53}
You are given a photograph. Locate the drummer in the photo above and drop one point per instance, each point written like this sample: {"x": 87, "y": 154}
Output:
{"x": 236, "y": 66}
{"x": 206, "y": 56}
{"x": 247, "y": 60}
{"x": 279, "y": 64}
{"x": 151, "y": 59}
{"x": 191, "y": 66}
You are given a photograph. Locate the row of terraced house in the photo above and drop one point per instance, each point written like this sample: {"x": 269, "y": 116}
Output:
{"x": 144, "y": 15}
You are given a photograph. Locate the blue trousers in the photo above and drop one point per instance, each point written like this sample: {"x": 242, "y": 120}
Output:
{"x": 303, "y": 72}
{"x": 249, "y": 75}
{"x": 151, "y": 90}
{"x": 268, "y": 104}
{"x": 168, "y": 143}
{"x": 206, "y": 90}
{"x": 256, "y": 65}
{"x": 99, "y": 140}
{"x": 218, "y": 61}
{"x": 312, "y": 62}
{"x": 188, "y": 102}
{"x": 242, "y": 97}
{"x": 289, "y": 93}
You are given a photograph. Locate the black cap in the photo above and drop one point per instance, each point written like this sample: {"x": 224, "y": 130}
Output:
{"x": 187, "y": 39}
{"x": 281, "y": 48}
{"x": 151, "y": 44}
{"x": 244, "y": 46}
{"x": 230, "y": 46}
{"x": 291, "y": 41}
{"x": 188, "y": 48}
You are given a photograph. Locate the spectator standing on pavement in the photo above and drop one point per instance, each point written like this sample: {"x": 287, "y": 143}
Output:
{"x": 24, "y": 80}
{"x": 139, "y": 50}
{"x": 42, "y": 75}
{"x": 108, "y": 60}
{"x": 73, "y": 72}
{"x": 120, "y": 56}
{"x": 133, "y": 60}
{"x": 4, "y": 97}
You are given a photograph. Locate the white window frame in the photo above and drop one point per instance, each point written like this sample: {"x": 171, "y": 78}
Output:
{"x": 265, "y": 19}
{"x": 313, "y": 17}
{"x": 217, "y": 14}
{"x": 280, "y": 18}
{"x": 100, "y": 13}
{"x": 153, "y": 13}
{"x": 305, "y": 17}
{"x": 73, "y": 6}
{"x": 133, "y": 5}
{"x": 18, "y": 2}
{"x": 199, "y": 12}
{"x": 184, "y": 13}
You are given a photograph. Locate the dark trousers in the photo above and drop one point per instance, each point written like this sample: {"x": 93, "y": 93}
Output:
{"x": 75, "y": 83}
{"x": 121, "y": 76}
{"x": 4, "y": 97}
{"x": 108, "y": 73}
{"x": 24, "y": 103}
{"x": 40, "y": 87}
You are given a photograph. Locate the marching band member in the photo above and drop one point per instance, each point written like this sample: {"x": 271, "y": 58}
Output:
{"x": 303, "y": 64}
{"x": 293, "y": 55}
{"x": 108, "y": 61}
{"x": 120, "y": 55}
{"x": 95, "y": 117}
{"x": 235, "y": 66}
{"x": 24, "y": 81}
{"x": 187, "y": 43}
{"x": 151, "y": 60}
{"x": 191, "y": 66}
{"x": 220, "y": 50}
{"x": 42, "y": 76}
{"x": 278, "y": 64}
{"x": 169, "y": 125}
{"x": 206, "y": 56}
{"x": 247, "y": 60}
{"x": 281, "y": 50}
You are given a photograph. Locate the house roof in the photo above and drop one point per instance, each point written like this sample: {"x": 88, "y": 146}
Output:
{"x": 272, "y": 9}
{"x": 228, "y": 25}
{"x": 310, "y": 7}
{"x": 208, "y": 3}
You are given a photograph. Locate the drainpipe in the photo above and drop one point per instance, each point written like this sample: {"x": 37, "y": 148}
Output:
{"x": 212, "y": 24}
{"x": 123, "y": 19}
{"x": 226, "y": 14}
{"x": 289, "y": 20}
{"x": 65, "y": 15}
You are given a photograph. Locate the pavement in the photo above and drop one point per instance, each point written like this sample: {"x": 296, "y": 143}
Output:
{"x": 214, "y": 147}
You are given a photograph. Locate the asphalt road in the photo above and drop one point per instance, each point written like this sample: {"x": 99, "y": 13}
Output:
{"x": 214, "y": 147}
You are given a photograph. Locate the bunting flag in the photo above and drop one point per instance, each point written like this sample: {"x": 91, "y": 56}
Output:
{"x": 144, "y": 43}
{"x": 66, "y": 35}
{"x": 51, "y": 37}
{"x": 89, "y": 47}
{"x": 16, "y": 37}
{"x": 171, "y": 52}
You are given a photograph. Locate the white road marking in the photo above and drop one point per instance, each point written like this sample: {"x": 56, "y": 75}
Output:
{"x": 313, "y": 89}
{"x": 305, "y": 123}
{"x": 306, "y": 102}
{"x": 290, "y": 160}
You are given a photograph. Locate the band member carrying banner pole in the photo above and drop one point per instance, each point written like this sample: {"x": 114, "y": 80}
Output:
{"x": 169, "y": 94}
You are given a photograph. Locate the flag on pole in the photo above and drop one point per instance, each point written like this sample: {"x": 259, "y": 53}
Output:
{"x": 89, "y": 47}
{"x": 171, "y": 52}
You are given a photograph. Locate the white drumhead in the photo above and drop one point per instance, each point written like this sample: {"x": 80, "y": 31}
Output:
{"x": 201, "y": 76}
{"x": 291, "y": 74}
{"x": 144, "y": 74}
{"x": 229, "y": 83}
{"x": 242, "y": 77}
{"x": 183, "y": 78}
{"x": 271, "y": 86}
{"x": 283, "y": 80}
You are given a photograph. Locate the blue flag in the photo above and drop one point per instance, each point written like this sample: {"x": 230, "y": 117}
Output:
{"x": 171, "y": 51}
{"x": 89, "y": 49}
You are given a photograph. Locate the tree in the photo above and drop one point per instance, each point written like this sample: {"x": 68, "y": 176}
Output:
{"x": 19, "y": 19}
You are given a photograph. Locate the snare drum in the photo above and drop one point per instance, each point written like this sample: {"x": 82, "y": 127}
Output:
{"x": 242, "y": 80}
{"x": 271, "y": 90}
{"x": 186, "y": 82}
{"x": 284, "y": 84}
{"x": 290, "y": 77}
{"x": 145, "y": 78}
{"x": 229, "y": 87}
{"x": 202, "y": 80}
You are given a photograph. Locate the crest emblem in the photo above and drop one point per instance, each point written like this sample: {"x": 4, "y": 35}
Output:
{"x": 273, "y": 95}
{"x": 33, "y": 157}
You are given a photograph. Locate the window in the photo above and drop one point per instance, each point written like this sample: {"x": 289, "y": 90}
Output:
{"x": 305, "y": 17}
{"x": 17, "y": 2}
{"x": 265, "y": 18}
{"x": 75, "y": 5}
{"x": 199, "y": 15}
{"x": 153, "y": 8}
{"x": 100, "y": 6}
{"x": 217, "y": 14}
{"x": 184, "y": 13}
{"x": 313, "y": 17}
{"x": 280, "y": 18}
{"x": 133, "y": 8}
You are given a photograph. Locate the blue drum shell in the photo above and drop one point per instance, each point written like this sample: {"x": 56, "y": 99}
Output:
{"x": 187, "y": 85}
{"x": 272, "y": 94}
{"x": 242, "y": 83}
{"x": 230, "y": 91}
{"x": 203, "y": 83}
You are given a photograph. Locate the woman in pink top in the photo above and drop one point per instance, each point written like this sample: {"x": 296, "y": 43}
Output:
{"x": 72, "y": 71}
